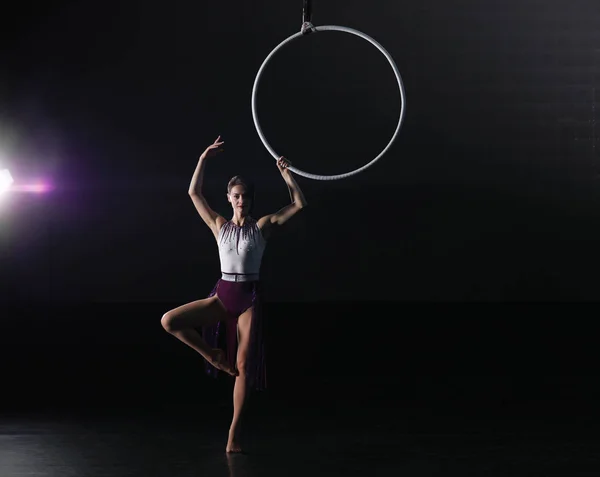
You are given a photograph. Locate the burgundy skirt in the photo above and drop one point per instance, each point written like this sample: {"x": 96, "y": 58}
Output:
{"x": 237, "y": 297}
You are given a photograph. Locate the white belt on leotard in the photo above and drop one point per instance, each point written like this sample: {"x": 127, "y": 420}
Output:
{"x": 239, "y": 277}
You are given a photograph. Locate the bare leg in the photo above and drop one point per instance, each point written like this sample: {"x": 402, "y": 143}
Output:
{"x": 182, "y": 321}
{"x": 240, "y": 387}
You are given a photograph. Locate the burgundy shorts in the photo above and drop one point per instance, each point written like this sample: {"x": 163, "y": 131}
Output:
{"x": 237, "y": 297}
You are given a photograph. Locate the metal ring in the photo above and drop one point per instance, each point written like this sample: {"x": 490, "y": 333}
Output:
{"x": 400, "y": 87}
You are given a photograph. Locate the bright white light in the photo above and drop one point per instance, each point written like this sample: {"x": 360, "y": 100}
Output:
{"x": 6, "y": 180}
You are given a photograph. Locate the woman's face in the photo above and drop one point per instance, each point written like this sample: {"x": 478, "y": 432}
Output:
{"x": 239, "y": 199}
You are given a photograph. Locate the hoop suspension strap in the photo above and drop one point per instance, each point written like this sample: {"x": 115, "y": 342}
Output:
{"x": 307, "y": 25}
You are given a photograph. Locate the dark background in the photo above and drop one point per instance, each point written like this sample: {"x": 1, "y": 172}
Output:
{"x": 489, "y": 194}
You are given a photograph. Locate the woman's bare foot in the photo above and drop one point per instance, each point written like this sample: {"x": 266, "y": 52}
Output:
{"x": 219, "y": 361}
{"x": 233, "y": 443}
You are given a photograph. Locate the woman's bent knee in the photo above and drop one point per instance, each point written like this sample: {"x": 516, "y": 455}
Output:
{"x": 193, "y": 315}
{"x": 167, "y": 322}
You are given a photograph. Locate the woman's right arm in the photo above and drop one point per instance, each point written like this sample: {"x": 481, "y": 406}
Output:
{"x": 210, "y": 217}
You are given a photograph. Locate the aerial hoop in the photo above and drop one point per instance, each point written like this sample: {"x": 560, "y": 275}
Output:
{"x": 308, "y": 28}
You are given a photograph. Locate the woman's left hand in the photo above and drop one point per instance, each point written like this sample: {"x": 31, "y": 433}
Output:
{"x": 283, "y": 164}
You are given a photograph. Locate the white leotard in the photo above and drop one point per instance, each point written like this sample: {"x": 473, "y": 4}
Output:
{"x": 241, "y": 250}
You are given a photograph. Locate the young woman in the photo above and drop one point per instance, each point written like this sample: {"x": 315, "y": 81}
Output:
{"x": 234, "y": 303}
